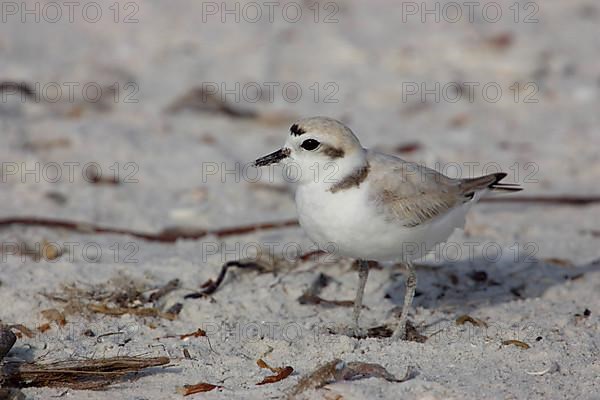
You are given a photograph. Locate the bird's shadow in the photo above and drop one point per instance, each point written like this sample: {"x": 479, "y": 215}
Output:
{"x": 466, "y": 285}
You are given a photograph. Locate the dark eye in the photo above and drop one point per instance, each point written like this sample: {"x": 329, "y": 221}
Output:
{"x": 310, "y": 144}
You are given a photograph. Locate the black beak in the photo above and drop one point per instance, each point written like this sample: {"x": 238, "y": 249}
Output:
{"x": 272, "y": 158}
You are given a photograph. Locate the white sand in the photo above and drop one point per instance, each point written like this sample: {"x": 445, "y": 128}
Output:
{"x": 367, "y": 56}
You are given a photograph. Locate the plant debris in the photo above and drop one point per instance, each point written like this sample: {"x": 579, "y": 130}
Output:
{"x": 559, "y": 262}
{"x": 385, "y": 331}
{"x": 379, "y": 332}
{"x": 140, "y": 312}
{"x": 11, "y": 394}
{"x": 407, "y": 148}
{"x": 501, "y": 41}
{"x": 280, "y": 373}
{"x": 116, "y": 297}
{"x": 78, "y": 374}
{"x": 202, "y": 387}
{"x": 517, "y": 343}
{"x": 311, "y": 295}
{"x": 200, "y": 100}
{"x": 317, "y": 300}
{"x": 337, "y": 370}
{"x": 46, "y": 144}
{"x": 463, "y": 319}
{"x": 413, "y": 335}
{"x": 168, "y": 235}
{"x": 7, "y": 340}
{"x": 210, "y": 286}
{"x": 198, "y": 333}
{"x": 53, "y": 315}
{"x": 165, "y": 290}
{"x": 312, "y": 255}
{"x": 554, "y": 367}
{"x": 263, "y": 263}
{"x": 478, "y": 276}
{"x": 316, "y": 379}
{"x": 175, "y": 309}
{"x": 97, "y": 178}
{"x": 22, "y": 330}
{"x": 359, "y": 370}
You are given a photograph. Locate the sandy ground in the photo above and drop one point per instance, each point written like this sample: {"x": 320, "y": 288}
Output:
{"x": 533, "y": 270}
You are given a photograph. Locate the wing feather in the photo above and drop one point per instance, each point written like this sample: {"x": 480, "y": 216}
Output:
{"x": 410, "y": 193}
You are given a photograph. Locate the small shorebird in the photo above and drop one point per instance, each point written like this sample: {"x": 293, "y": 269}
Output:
{"x": 374, "y": 206}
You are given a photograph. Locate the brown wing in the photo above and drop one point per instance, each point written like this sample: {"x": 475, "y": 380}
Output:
{"x": 410, "y": 193}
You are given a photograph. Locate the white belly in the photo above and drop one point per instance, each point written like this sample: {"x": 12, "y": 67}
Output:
{"x": 345, "y": 224}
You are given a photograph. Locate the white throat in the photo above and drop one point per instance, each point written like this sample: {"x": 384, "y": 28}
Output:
{"x": 326, "y": 172}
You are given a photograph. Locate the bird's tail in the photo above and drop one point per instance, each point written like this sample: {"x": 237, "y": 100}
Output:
{"x": 491, "y": 182}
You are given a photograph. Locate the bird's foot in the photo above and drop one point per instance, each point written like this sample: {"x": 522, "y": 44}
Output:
{"x": 409, "y": 333}
{"x": 400, "y": 332}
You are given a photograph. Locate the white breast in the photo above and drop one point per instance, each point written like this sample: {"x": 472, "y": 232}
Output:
{"x": 347, "y": 222}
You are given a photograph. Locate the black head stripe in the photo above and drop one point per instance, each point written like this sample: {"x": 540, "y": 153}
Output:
{"x": 296, "y": 130}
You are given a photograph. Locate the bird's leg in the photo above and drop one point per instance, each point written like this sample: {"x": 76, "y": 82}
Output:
{"x": 363, "y": 274}
{"x": 411, "y": 285}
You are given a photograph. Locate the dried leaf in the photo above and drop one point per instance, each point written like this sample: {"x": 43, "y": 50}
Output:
{"x": 406, "y": 148}
{"x": 279, "y": 376}
{"x": 187, "y": 390}
{"x": 262, "y": 364}
{"x": 198, "y": 333}
{"x": 53, "y": 315}
{"x": 559, "y": 262}
{"x": 22, "y": 330}
{"x": 474, "y": 321}
{"x": 517, "y": 343}
{"x": 280, "y": 373}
